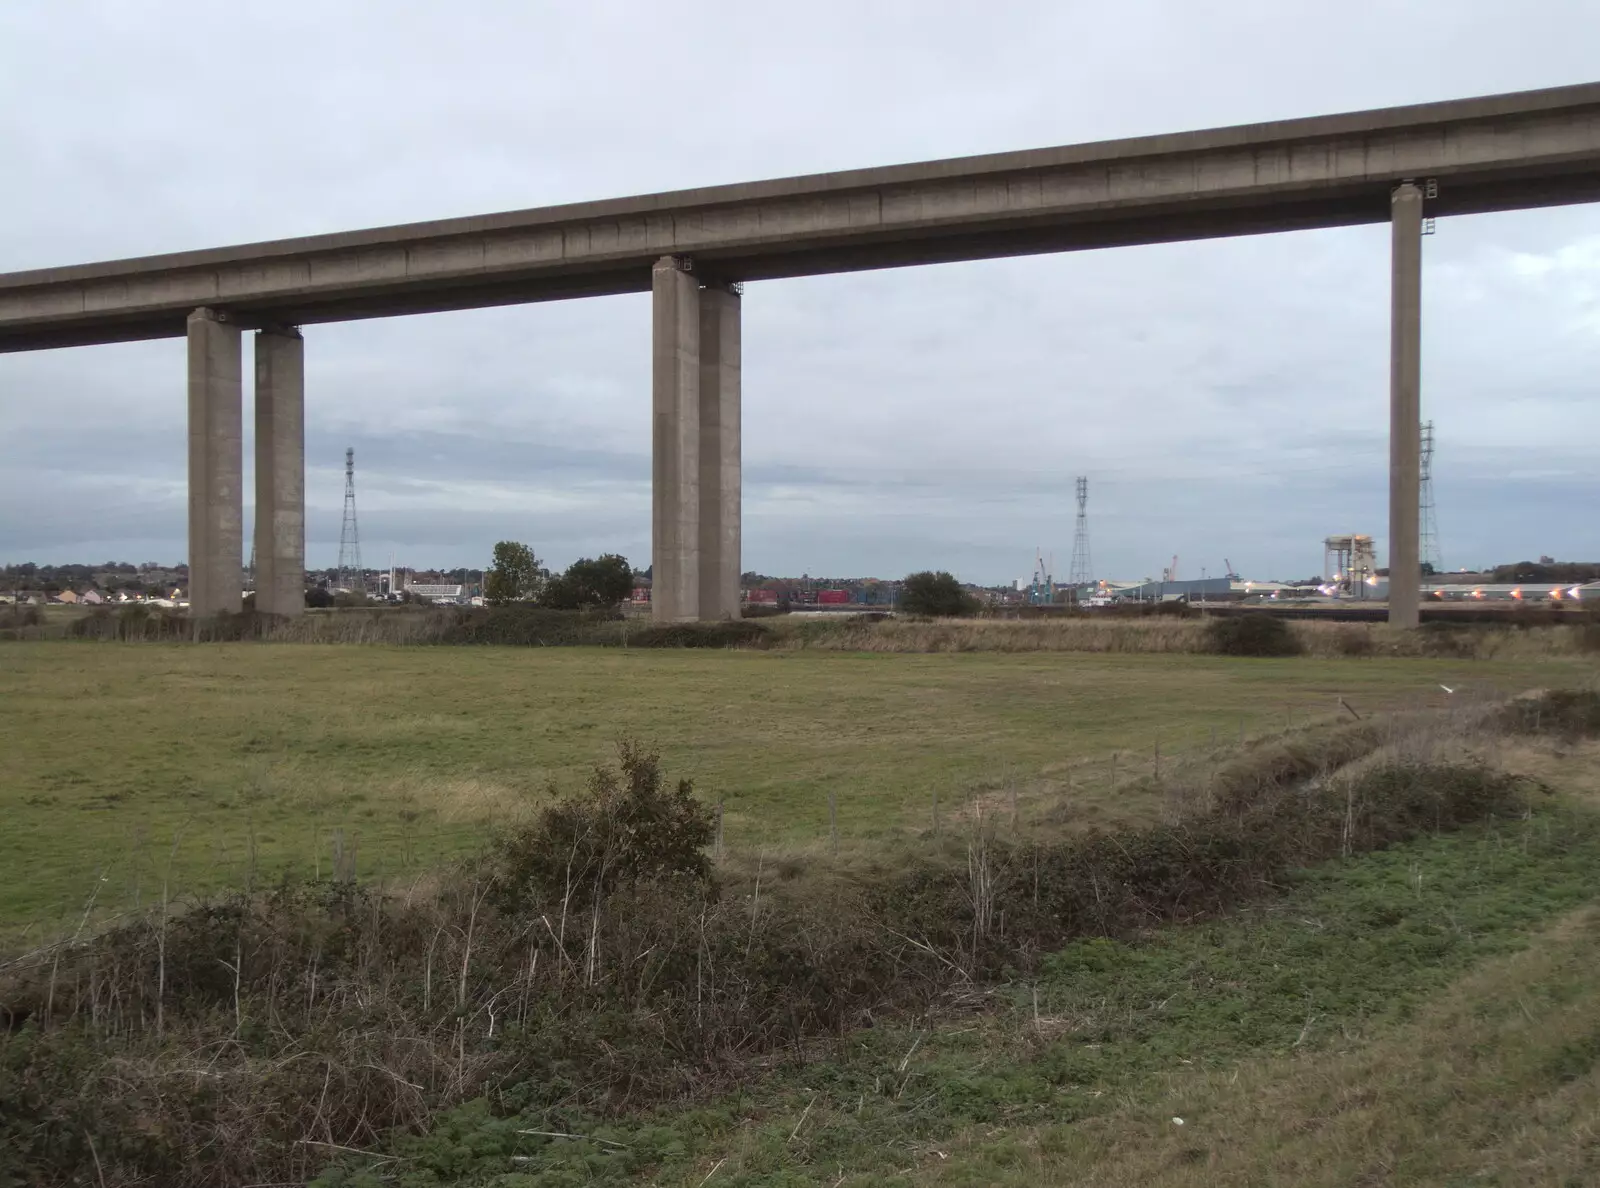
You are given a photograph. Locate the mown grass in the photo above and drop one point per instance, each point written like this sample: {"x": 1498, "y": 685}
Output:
{"x": 1299, "y": 1041}
{"x": 136, "y": 770}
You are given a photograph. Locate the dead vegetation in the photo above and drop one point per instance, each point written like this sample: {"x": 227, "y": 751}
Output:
{"x": 1526, "y": 635}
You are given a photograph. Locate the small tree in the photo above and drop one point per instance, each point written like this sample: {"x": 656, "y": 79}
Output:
{"x": 936, "y": 594}
{"x": 605, "y": 581}
{"x": 514, "y": 576}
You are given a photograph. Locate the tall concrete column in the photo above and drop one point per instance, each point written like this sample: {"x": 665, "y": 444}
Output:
{"x": 280, "y": 472}
{"x": 675, "y": 443}
{"x": 1405, "y": 405}
{"x": 216, "y": 465}
{"x": 719, "y": 454}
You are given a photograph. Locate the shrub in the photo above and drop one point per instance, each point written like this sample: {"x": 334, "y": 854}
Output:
{"x": 937, "y": 595}
{"x": 1447, "y": 641}
{"x": 1351, "y": 640}
{"x": 734, "y": 633}
{"x": 318, "y": 598}
{"x": 526, "y": 625}
{"x": 627, "y": 827}
{"x": 763, "y": 610}
{"x": 604, "y": 582}
{"x": 24, "y": 614}
{"x": 1254, "y": 634}
{"x": 1567, "y": 713}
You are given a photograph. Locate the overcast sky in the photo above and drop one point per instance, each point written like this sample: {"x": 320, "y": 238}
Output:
{"x": 1226, "y": 398}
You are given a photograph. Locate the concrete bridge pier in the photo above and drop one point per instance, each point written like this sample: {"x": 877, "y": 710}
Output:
{"x": 216, "y": 463}
{"x": 720, "y": 474}
{"x": 695, "y": 452}
{"x": 280, "y": 472}
{"x": 1405, "y": 405}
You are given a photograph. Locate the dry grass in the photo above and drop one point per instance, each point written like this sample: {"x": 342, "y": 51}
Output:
{"x": 1167, "y": 635}
{"x": 1494, "y": 1083}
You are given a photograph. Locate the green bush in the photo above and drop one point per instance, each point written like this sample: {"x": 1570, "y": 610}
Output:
{"x": 603, "y": 582}
{"x": 734, "y": 633}
{"x": 627, "y": 827}
{"x": 1254, "y": 634}
{"x": 937, "y": 595}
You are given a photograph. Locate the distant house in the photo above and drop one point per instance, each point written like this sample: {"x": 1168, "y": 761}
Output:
{"x": 92, "y": 598}
{"x": 68, "y": 597}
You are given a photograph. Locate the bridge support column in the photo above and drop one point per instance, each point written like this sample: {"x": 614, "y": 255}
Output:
{"x": 1405, "y": 405}
{"x": 720, "y": 493}
{"x": 675, "y": 443}
{"x": 216, "y": 464}
{"x": 280, "y": 472}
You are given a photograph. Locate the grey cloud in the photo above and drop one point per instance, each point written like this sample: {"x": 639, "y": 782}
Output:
{"x": 1225, "y": 398}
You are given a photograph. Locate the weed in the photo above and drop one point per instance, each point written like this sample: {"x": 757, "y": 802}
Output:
{"x": 735, "y": 633}
{"x": 1570, "y": 714}
{"x": 1258, "y": 634}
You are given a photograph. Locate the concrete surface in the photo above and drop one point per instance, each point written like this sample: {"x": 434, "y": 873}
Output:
{"x": 216, "y": 463}
{"x": 675, "y": 443}
{"x": 1405, "y": 405}
{"x": 280, "y": 472}
{"x": 1534, "y": 148}
{"x": 720, "y": 493}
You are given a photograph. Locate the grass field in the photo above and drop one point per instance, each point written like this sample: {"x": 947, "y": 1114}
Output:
{"x": 129, "y": 769}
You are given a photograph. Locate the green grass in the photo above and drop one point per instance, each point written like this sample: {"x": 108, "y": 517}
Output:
{"x": 132, "y": 768}
{"x": 1346, "y": 968}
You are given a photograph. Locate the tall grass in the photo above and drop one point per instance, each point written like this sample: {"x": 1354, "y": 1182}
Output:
{"x": 1185, "y": 635}
{"x": 1525, "y": 637}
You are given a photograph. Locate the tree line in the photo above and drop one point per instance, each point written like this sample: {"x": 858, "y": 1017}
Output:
{"x": 588, "y": 583}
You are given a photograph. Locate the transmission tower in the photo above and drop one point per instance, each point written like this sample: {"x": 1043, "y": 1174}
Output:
{"x": 1082, "y": 572}
{"x": 1428, "y": 550}
{"x": 351, "y": 575}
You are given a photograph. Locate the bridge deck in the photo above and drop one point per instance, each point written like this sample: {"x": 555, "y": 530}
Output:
{"x": 1534, "y": 148}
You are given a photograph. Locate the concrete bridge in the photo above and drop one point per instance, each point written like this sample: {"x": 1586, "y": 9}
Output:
{"x": 692, "y": 248}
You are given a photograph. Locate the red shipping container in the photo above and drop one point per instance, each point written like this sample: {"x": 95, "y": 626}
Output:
{"x": 833, "y": 597}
